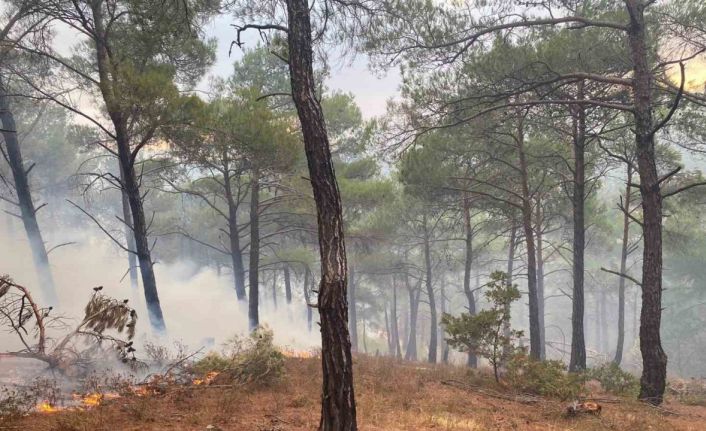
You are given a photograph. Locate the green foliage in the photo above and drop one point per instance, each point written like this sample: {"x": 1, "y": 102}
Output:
{"x": 487, "y": 333}
{"x": 614, "y": 379}
{"x": 252, "y": 359}
{"x": 545, "y": 378}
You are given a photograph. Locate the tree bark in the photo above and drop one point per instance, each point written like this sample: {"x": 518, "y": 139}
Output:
{"x": 28, "y": 213}
{"x": 338, "y": 410}
{"x": 254, "y": 263}
{"x": 472, "y": 359}
{"x": 654, "y": 359}
{"x": 129, "y": 237}
{"x": 623, "y": 267}
{"x": 430, "y": 294}
{"x": 577, "y": 361}
{"x": 535, "y": 341}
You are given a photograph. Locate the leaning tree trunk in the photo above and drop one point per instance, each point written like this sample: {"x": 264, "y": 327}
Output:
{"x": 430, "y": 294}
{"x": 472, "y": 359}
{"x": 254, "y": 264}
{"x": 623, "y": 267}
{"x": 352, "y": 311}
{"x": 654, "y": 360}
{"x": 577, "y": 362}
{"x": 28, "y": 213}
{"x": 535, "y": 342}
{"x": 126, "y": 158}
{"x": 338, "y": 411}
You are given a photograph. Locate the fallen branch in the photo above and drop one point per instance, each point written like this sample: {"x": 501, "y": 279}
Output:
{"x": 524, "y": 399}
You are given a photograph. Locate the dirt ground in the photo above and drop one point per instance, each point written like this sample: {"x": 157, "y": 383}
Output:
{"x": 390, "y": 395}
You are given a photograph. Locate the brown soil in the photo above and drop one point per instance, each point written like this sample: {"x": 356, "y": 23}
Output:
{"x": 390, "y": 395}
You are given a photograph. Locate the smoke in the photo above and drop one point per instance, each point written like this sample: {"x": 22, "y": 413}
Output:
{"x": 200, "y": 307}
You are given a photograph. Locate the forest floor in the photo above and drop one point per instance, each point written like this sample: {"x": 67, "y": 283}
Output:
{"x": 391, "y": 395}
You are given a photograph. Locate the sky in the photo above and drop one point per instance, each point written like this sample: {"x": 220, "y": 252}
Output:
{"x": 371, "y": 91}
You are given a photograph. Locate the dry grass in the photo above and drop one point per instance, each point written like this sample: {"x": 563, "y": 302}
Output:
{"x": 391, "y": 396}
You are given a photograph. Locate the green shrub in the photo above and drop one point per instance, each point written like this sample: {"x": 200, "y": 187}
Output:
{"x": 614, "y": 379}
{"x": 545, "y": 378}
{"x": 252, "y": 359}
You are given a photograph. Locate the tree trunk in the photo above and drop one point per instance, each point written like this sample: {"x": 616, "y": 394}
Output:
{"x": 411, "y": 353}
{"x": 307, "y": 297}
{"x": 577, "y": 362}
{"x": 338, "y": 411}
{"x": 623, "y": 267}
{"x": 510, "y": 270}
{"x": 430, "y": 294}
{"x": 236, "y": 255}
{"x": 444, "y": 344}
{"x": 395, "y": 325}
{"x": 254, "y": 263}
{"x": 654, "y": 360}
{"x": 472, "y": 359}
{"x": 352, "y": 311}
{"x": 28, "y": 212}
{"x": 535, "y": 342}
{"x": 540, "y": 280}
{"x": 130, "y": 185}
{"x": 274, "y": 289}
{"x": 129, "y": 237}
{"x": 287, "y": 285}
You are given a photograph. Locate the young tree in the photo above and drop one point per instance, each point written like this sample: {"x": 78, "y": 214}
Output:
{"x": 484, "y": 332}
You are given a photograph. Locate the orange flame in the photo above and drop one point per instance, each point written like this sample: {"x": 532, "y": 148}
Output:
{"x": 46, "y": 407}
{"x": 208, "y": 378}
{"x": 300, "y": 354}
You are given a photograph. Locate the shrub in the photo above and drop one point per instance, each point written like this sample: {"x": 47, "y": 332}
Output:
{"x": 545, "y": 378}
{"x": 614, "y": 379}
{"x": 252, "y": 359}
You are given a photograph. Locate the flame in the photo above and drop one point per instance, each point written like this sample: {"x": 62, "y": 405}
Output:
{"x": 300, "y": 354}
{"x": 207, "y": 379}
{"x": 46, "y": 407}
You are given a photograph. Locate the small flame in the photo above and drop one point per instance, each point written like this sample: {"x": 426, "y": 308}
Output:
{"x": 46, "y": 407}
{"x": 300, "y": 354}
{"x": 208, "y": 378}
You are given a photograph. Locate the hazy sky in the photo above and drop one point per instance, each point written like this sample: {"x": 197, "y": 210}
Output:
{"x": 371, "y": 92}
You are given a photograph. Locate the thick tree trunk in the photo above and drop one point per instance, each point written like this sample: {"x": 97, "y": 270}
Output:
{"x": 577, "y": 362}
{"x": 623, "y": 267}
{"x": 338, "y": 411}
{"x": 127, "y": 159}
{"x": 540, "y": 279}
{"x": 287, "y": 284}
{"x": 535, "y": 341}
{"x": 28, "y": 213}
{"x": 352, "y": 311}
{"x": 236, "y": 254}
{"x": 654, "y": 360}
{"x": 472, "y": 360}
{"x": 254, "y": 263}
{"x": 430, "y": 294}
